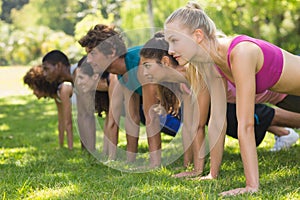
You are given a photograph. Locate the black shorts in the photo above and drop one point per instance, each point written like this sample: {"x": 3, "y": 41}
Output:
{"x": 263, "y": 118}
{"x": 291, "y": 103}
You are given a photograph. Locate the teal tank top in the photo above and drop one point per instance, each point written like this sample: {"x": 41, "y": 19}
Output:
{"x": 132, "y": 60}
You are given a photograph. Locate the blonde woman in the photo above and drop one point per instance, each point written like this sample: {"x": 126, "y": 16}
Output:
{"x": 252, "y": 65}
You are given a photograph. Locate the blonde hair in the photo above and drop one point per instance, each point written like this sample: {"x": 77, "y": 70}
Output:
{"x": 195, "y": 78}
{"x": 193, "y": 17}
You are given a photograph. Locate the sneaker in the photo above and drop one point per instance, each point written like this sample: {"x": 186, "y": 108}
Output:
{"x": 285, "y": 141}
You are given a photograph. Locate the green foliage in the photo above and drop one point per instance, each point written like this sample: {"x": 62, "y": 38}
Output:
{"x": 162, "y": 9}
{"x": 275, "y": 21}
{"x": 89, "y": 21}
{"x": 272, "y": 20}
{"x": 56, "y": 14}
{"x": 111, "y": 7}
{"x": 6, "y": 6}
{"x": 64, "y": 42}
{"x": 1, "y": 8}
{"x": 58, "y": 11}
{"x": 28, "y": 16}
{"x": 135, "y": 20}
{"x": 5, "y": 31}
{"x": 29, "y": 45}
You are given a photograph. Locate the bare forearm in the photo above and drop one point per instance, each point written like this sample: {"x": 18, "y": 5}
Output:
{"x": 216, "y": 153}
{"x": 111, "y": 131}
{"x": 249, "y": 156}
{"x": 61, "y": 128}
{"x": 186, "y": 143}
{"x": 153, "y": 131}
{"x": 69, "y": 128}
{"x": 154, "y": 141}
{"x": 68, "y": 122}
{"x": 87, "y": 131}
{"x": 198, "y": 146}
{"x": 152, "y": 123}
{"x": 216, "y": 143}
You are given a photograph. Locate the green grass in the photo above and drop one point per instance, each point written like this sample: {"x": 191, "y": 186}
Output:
{"x": 33, "y": 167}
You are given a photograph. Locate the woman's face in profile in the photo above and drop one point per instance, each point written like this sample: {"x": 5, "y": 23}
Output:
{"x": 156, "y": 71}
{"x": 39, "y": 94}
{"x": 84, "y": 82}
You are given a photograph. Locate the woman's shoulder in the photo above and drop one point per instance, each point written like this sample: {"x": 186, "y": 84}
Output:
{"x": 66, "y": 83}
{"x": 65, "y": 87}
{"x": 242, "y": 45}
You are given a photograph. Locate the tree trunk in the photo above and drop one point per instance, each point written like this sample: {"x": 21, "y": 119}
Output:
{"x": 151, "y": 18}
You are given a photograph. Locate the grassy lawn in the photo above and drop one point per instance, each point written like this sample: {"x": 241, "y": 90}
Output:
{"x": 33, "y": 167}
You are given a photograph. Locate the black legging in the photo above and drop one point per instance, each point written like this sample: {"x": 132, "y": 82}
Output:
{"x": 290, "y": 103}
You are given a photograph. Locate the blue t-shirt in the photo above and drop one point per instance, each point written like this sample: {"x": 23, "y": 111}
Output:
{"x": 132, "y": 60}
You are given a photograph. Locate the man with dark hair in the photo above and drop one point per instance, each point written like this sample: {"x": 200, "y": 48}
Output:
{"x": 56, "y": 68}
{"x": 107, "y": 52}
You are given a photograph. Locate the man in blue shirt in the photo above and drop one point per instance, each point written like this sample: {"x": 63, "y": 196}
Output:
{"x": 107, "y": 52}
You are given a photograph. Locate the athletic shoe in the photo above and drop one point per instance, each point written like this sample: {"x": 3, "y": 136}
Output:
{"x": 285, "y": 141}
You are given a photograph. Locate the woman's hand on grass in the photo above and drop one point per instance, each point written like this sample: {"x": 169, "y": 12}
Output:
{"x": 238, "y": 191}
{"x": 187, "y": 174}
{"x": 207, "y": 177}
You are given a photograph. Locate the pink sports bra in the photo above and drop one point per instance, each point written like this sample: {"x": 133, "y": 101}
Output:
{"x": 271, "y": 70}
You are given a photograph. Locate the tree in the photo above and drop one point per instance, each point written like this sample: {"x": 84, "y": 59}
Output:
{"x": 151, "y": 17}
{"x": 29, "y": 27}
{"x": 0, "y": 8}
{"x": 5, "y": 32}
{"x": 135, "y": 18}
{"x": 111, "y": 7}
{"x": 272, "y": 20}
{"x": 89, "y": 21}
{"x": 56, "y": 14}
{"x": 8, "y": 5}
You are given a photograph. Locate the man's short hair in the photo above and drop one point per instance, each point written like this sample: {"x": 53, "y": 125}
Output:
{"x": 56, "y": 56}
